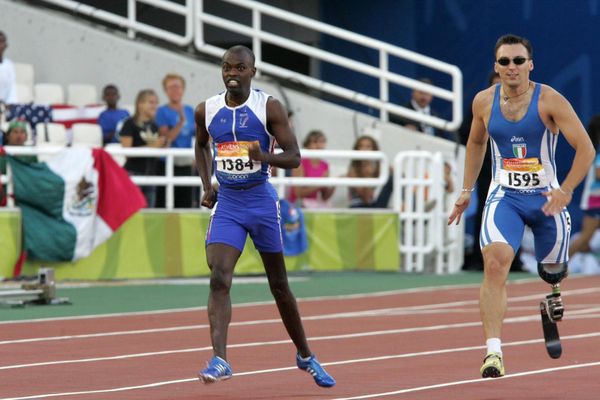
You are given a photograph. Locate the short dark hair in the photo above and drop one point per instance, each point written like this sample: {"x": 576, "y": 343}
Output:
{"x": 108, "y": 87}
{"x": 241, "y": 49}
{"x": 513, "y": 39}
{"x": 594, "y": 130}
{"x": 493, "y": 75}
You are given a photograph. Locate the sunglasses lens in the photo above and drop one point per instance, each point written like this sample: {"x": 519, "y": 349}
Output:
{"x": 504, "y": 61}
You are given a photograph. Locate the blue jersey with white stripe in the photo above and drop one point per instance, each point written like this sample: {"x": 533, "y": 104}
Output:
{"x": 523, "y": 167}
{"x": 232, "y": 130}
{"x": 525, "y": 145}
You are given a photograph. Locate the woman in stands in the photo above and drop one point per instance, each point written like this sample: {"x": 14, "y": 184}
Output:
{"x": 312, "y": 196}
{"x": 365, "y": 196}
{"x": 140, "y": 130}
{"x": 16, "y": 135}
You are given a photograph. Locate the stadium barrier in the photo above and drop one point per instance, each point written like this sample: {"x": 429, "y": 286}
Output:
{"x": 420, "y": 204}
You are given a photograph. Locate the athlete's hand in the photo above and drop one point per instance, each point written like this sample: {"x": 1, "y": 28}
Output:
{"x": 254, "y": 152}
{"x": 459, "y": 207}
{"x": 557, "y": 200}
{"x": 209, "y": 198}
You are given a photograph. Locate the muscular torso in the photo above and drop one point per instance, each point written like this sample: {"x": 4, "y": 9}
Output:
{"x": 515, "y": 109}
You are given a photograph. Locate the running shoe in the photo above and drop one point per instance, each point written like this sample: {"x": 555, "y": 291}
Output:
{"x": 216, "y": 370}
{"x": 493, "y": 366}
{"x": 312, "y": 366}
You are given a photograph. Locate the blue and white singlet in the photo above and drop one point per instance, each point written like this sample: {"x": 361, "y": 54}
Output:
{"x": 522, "y": 168}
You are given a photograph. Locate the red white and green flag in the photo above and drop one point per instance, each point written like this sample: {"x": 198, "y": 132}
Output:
{"x": 520, "y": 150}
{"x": 72, "y": 203}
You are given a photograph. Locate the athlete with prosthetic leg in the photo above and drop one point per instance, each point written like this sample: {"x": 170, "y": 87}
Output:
{"x": 522, "y": 120}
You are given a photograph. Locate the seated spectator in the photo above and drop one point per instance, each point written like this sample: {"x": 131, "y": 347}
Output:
{"x": 312, "y": 196}
{"x": 421, "y": 102}
{"x": 175, "y": 121}
{"x": 364, "y": 197}
{"x": 8, "y": 80}
{"x": 140, "y": 130}
{"x": 590, "y": 201}
{"x": 110, "y": 118}
{"x": 16, "y": 135}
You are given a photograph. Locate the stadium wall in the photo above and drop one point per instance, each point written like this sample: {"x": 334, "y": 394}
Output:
{"x": 159, "y": 244}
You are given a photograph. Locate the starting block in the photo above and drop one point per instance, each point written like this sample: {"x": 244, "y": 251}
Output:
{"x": 41, "y": 291}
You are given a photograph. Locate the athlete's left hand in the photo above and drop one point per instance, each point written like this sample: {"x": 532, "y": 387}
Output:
{"x": 557, "y": 200}
{"x": 254, "y": 152}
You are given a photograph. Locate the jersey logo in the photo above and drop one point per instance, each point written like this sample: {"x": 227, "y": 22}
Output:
{"x": 520, "y": 150}
{"x": 244, "y": 120}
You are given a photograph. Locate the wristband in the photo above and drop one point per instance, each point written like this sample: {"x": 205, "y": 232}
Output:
{"x": 563, "y": 192}
{"x": 468, "y": 190}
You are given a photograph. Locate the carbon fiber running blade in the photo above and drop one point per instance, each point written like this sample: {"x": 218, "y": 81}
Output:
{"x": 551, "y": 336}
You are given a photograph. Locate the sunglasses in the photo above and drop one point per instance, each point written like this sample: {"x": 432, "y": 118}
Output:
{"x": 504, "y": 61}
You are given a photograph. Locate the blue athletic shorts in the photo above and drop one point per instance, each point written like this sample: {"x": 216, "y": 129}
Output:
{"x": 506, "y": 213}
{"x": 239, "y": 212}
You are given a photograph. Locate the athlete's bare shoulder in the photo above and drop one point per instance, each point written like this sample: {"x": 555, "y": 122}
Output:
{"x": 551, "y": 102}
{"x": 482, "y": 103}
{"x": 549, "y": 95}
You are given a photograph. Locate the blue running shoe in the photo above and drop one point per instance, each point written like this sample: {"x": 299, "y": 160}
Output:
{"x": 216, "y": 370}
{"x": 312, "y": 366}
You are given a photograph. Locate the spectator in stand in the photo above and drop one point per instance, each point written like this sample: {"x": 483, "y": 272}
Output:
{"x": 110, "y": 118}
{"x": 312, "y": 196}
{"x": 16, "y": 135}
{"x": 141, "y": 130}
{"x": 8, "y": 80}
{"x": 175, "y": 121}
{"x": 421, "y": 102}
{"x": 590, "y": 201}
{"x": 365, "y": 196}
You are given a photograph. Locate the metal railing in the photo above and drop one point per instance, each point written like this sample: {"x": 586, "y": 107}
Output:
{"x": 425, "y": 242}
{"x": 382, "y": 73}
{"x": 131, "y": 21}
{"x": 196, "y": 18}
{"x": 169, "y": 180}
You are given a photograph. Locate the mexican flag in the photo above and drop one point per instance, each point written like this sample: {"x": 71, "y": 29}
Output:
{"x": 72, "y": 203}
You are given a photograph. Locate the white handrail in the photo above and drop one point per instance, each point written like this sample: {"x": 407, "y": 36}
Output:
{"x": 196, "y": 18}
{"x": 420, "y": 203}
{"x": 130, "y": 21}
{"x": 170, "y": 181}
{"x": 418, "y": 198}
{"x": 382, "y": 72}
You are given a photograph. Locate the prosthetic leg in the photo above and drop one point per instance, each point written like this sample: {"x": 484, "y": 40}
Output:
{"x": 552, "y": 308}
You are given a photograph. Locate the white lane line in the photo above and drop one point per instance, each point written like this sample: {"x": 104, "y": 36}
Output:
{"x": 270, "y": 302}
{"x": 480, "y": 380}
{"x": 344, "y": 362}
{"x": 286, "y": 341}
{"x": 420, "y": 309}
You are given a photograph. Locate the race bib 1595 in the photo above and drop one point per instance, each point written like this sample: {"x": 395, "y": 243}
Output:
{"x": 522, "y": 173}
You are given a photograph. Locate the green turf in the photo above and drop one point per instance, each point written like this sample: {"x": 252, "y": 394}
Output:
{"x": 129, "y": 298}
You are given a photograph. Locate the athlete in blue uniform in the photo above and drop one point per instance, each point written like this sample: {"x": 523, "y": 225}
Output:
{"x": 522, "y": 120}
{"x": 243, "y": 124}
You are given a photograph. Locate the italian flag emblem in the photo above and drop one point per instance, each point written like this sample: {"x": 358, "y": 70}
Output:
{"x": 520, "y": 150}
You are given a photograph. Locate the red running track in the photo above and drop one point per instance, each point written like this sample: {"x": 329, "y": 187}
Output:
{"x": 421, "y": 344}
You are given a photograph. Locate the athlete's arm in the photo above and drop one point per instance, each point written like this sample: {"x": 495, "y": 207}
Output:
{"x": 476, "y": 146}
{"x": 204, "y": 156}
{"x": 560, "y": 111}
{"x": 279, "y": 127}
